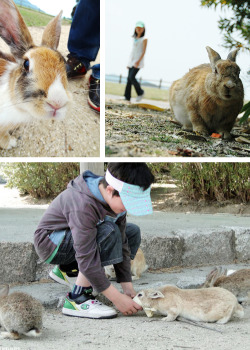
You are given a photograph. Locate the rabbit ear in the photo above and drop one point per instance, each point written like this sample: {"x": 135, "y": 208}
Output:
{"x": 52, "y": 32}
{"x": 4, "y": 290}
{"x": 13, "y": 30}
{"x": 155, "y": 294}
{"x": 232, "y": 55}
{"x": 213, "y": 57}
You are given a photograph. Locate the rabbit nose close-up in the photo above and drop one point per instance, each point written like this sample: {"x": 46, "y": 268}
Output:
{"x": 55, "y": 107}
{"x": 229, "y": 84}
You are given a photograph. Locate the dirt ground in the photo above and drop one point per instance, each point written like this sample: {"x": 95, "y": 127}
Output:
{"x": 78, "y": 135}
{"x": 137, "y": 132}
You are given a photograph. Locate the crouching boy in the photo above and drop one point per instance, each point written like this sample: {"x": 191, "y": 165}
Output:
{"x": 85, "y": 229}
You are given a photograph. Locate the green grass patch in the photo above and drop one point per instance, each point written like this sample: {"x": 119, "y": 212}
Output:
{"x": 150, "y": 93}
{"x": 37, "y": 19}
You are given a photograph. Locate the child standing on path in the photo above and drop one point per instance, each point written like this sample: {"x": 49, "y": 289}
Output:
{"x": 136, "y": 61}
{"x": 85, "y": 228}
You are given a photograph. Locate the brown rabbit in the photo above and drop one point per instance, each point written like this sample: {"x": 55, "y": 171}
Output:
{"x": 209, "y": 97}
{"x": 237, "y": 283}
{"x": 138, "y": 266}
{"x": 205, "y": 305}
{"x": 33, "y": 80}
{"x": 20, "y": 314}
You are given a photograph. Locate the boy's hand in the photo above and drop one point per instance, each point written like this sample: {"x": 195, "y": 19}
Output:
{"x": 128, "y": 289}
{"x": 122, "y": 302}
{"x": 126, "y": 305}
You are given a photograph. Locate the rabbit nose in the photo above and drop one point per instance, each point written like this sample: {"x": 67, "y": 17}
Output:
{"x": 54, "y": 105}
{"x": 229, "y": 84}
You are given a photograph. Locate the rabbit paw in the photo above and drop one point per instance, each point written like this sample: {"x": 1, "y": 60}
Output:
{"x": 7, "y": 141}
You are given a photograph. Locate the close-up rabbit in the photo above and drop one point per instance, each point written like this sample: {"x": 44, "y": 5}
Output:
{"x": 237, "y": 282}
{"x": 205, "y": 305}
{"x": 138, "y": 266}
{"x": 20, "y": 314}
{"x": 209, "y": 97}
{"x": 33, "y": 80}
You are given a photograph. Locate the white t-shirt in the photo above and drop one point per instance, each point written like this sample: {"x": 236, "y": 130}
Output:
{"x": 136, "y": 53}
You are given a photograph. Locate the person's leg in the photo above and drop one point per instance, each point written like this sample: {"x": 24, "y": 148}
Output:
{"x": 127, "y": 93}
{"x": 133, "y": 234}
{"x": 94, "y": 88}
{"x": 80, "y": 301}
{"x": 84, "y": 36}
{"x": 135, "y": 82}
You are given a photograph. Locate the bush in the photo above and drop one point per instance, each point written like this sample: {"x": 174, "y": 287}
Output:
{"x": 214, "y": 181}
{"x": 40, "y": 180}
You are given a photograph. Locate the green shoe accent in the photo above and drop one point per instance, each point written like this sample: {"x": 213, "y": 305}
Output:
{"x": 68, "y": 305}
{"x": 58, "y": 272}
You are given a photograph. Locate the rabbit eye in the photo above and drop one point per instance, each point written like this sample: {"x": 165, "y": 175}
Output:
{"x": 215, "y": 71}
{"x": 26, "y": 65}
{"x": 139, "y": 295}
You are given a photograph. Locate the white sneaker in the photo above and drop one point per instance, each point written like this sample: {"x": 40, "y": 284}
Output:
{"x": 140, "y": 97}
{"x": 89, "y": 308}
{"x": 61, "y": 277}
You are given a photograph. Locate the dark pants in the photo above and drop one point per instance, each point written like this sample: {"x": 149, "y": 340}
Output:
{"x": 84, "y": 36}
{"x": 109, "y": 241}
{"x": 132, "y": 81}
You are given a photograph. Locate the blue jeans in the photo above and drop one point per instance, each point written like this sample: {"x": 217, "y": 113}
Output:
{"x": 84, "y": 36}
{"x": 109, "y": 241}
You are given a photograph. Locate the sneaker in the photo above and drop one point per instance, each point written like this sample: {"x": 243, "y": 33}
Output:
{"x": 140, "y": 97}
{"x": 94, "y": 93}
{"x": 75, "y": 68}
{"x": 66, "y": 278}
{"x": 87, "y": 306}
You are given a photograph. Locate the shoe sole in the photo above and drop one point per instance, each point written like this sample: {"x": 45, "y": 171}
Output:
{"x": 59, "y": 280}
{"x": 97, "y": 109}
{"x": 77, "y": 313}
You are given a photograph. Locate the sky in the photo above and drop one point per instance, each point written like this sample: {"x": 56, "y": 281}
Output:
{"x": 53, "y": 7}
{"x": 178, "y": 32}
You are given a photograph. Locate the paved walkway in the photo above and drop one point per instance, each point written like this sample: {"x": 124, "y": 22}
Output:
{"x": 161, "y": 104}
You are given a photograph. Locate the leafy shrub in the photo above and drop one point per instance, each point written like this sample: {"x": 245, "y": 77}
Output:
{"x": 40, "y": 180}
{"x": 214, "y": 181}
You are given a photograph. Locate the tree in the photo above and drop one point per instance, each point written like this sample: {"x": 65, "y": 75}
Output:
{"x": 238, "y": 23}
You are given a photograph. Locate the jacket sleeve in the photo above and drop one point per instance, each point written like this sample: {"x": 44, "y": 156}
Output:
{"x": 123, "y": 269}
{"x": 83, "y": 227}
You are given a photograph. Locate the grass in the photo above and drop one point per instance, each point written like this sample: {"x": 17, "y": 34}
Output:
{"x": 150, "y": 93}
{"x": 37, "y": 19}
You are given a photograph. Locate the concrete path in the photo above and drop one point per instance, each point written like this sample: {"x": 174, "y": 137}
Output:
{"x": 161, "y": 104}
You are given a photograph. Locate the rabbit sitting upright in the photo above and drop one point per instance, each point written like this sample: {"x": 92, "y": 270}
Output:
{"x": 20, "y": 314}
{"x": 33, "y": 80}
{"x": 209, "y": 97}
{"x": 205, "y": 305}
{"x": 237, "y": 282}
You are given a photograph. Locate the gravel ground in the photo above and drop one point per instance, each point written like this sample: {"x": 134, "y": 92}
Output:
{"x": 76, "y": 136}
{"x": 136, "y": 132}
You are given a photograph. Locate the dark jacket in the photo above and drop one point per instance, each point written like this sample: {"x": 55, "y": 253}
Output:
{"x": 78, "y": 209}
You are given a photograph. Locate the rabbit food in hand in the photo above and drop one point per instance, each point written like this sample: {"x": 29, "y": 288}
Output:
{"x": 33, "y": 80}
{"x": 209, "y": 97}
{"x": 237, "y": 283}
{"x": 206, "y": 305}
{"x": 20, "y": 314}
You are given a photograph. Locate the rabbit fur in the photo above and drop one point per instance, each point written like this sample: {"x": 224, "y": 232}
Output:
{"x": 206, "y": 305}
{"x": 209, "y": 97}
{"x": 138, "y": 266}
{"x": 33, "y": 80}
{"x": 237, "y": 282}
{"x": 20, "y": 314}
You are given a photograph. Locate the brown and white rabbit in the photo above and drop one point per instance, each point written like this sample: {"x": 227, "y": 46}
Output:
{"x": 20, "y": 314}
{"x": 138, "y": 266}
{"x": 237, "y": 282}
{"x": 33, "y": 80}
{"x": 209, "y": 97}
{"x": 205, "y": 305}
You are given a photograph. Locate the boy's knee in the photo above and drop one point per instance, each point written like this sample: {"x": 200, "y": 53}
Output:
{"x": 109, "y": 231}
